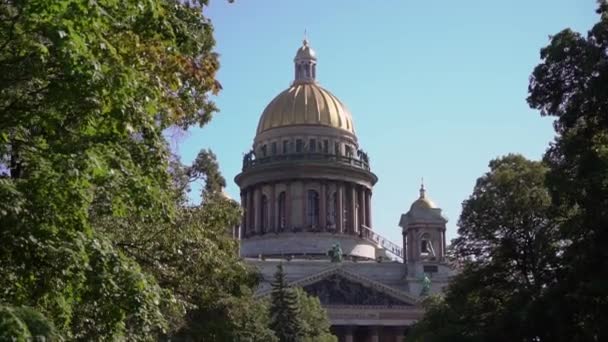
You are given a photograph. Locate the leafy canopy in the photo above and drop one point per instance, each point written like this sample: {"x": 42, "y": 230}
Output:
{"x": 86, "y": 90}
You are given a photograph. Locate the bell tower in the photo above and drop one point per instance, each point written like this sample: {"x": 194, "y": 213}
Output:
{"x": 423, "y": 228}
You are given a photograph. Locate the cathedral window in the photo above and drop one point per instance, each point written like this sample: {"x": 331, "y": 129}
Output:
{"x": 337, "y": 148}
{"x": 285, "y": 146}
{"x": 282, "y": 210}
{"x": 349, "y": 151}
{"x": 325, "y": 146}
{"x": 274, "y": 148}
{"x": 312, "y": 208}
{"x": 312, "y": 145}
{"x": 299, "y": 145}
{"x": 263, "y": 151}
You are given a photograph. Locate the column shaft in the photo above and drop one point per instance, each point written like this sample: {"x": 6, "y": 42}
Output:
{"x": 368, "y": 202}
{"x": 251, "y": 213}
{"x": 272, "y": 204}
{"x": 323, "y": 207}
{"x": 288, "y": 225}
{"x": 362, "y": 208}
{"x": 444, "y": 245}
{"x": 257, "y": 210}
{"x": 340, "y": 208}
{"x": 374, "y": 334}
{"x": 348, "y": 334}
{"x": 405, "y": 249}
{"x": 353, "y": 209}
{"x": 244, "y": 208}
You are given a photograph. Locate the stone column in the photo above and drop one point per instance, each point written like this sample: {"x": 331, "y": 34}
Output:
{"x": 251, "y": 212}
{"x": 348, "y": 334}
{"x": 374, "y": 334}
{"x": 368, "y": 202}
{"x": 410, "y": 246}
{"x": 288, "y": 225}
{"x": 444, "y": 245}
{"x": 353, "y": 209}
{"x": 405, "y": 249}
{"x": 415, "y": 245}
{"x": 272, "y": 204}
{"x": 399, "y": 335}
{"x": 340, "y": 208}
{"x": 256, "y": 210}
{"x": 304, "y": 197}
{"x": 323, "y": 207}
{"x": 362, "y": 207}
{"x": 244, "y": 207}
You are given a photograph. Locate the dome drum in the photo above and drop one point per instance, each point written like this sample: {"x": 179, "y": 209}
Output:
{"x": 306, "y": 184}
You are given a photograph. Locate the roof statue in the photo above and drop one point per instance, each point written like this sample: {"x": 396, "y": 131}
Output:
{"x": 335, "y": 253}
{"x": 426, "y": 286}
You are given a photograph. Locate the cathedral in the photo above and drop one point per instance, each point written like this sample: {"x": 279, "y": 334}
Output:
{"x": 306, "y": 189}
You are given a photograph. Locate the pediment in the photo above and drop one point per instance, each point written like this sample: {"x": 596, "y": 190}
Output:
{"x": 337, "y": 286}
{"x": 338, "y": 290}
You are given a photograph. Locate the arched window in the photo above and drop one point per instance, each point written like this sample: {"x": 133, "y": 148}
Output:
{"x": 282, "y": 211}
{"x": 426, "y": 246}
{"x": 312, "y": 208}
{"x": 264, "y": 214}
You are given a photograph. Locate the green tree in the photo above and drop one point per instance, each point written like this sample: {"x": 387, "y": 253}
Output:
{"x": 86, "y": 90}
{"x": 209, "y": 290}
{"x": 205, "y": 167}
{"x": 315, "y": 323}
{"x": 285, "y": 319}
{"x": 571, "y": 85}
{"x": 296, "y": 316}
{"x": 508, "y": 247}
{"x": 25, "y": 324}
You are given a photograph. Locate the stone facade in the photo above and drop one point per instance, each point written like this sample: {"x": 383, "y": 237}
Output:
{"x": 306, "y": 186}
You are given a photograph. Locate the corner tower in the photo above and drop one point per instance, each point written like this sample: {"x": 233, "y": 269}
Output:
{"x": 423, "y": 228}
{"x": 306, "y": 184}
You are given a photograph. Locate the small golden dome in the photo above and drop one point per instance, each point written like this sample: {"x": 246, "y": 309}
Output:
{"x": 423, "y": 202}
{"x": 306, "y": 104}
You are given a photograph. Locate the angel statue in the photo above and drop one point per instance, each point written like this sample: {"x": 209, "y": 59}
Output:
{"x": 335, "y": 253}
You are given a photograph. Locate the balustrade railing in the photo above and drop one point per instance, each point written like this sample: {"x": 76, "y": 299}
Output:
{"x": 368, "y": 234}
{"x": 249, "y": 161}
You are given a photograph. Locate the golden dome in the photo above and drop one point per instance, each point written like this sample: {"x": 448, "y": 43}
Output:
{"x": 306, "y": 104}
{"x": 423, "y": 202}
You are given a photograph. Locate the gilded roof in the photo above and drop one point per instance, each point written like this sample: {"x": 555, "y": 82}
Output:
{"x": 423, "y": 202}
{"x": 306, "y": 103}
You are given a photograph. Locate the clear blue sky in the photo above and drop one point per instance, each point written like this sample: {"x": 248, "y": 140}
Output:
{"x": 436, "y": 88}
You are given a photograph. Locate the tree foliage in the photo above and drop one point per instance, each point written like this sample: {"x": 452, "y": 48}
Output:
{"x": 24, "y": 324}
{"x": 508, "y": 248}
{"x": 86, "y": 90}
{"x": 296, "y": 316}
{"x": 285, "y": 318}
{"x": 535, "y": 261}
{"x": 571, "y": 84}
{"x": 315, "y": 323}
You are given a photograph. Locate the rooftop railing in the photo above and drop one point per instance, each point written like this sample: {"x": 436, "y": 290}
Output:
{"x": 250, "y": 161}
{"x": 391, "y": 247}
